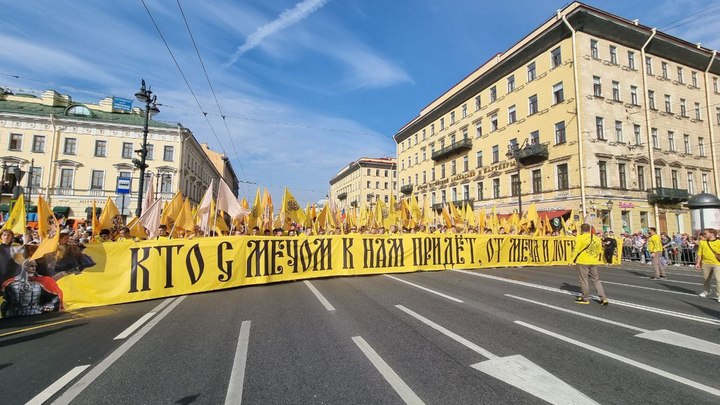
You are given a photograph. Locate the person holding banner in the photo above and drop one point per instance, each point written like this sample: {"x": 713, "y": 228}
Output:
{"x": 586, "y": 256}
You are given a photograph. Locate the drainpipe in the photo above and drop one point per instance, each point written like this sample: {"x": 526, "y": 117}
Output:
{"x": 646, "y": 98}
{"x": 710, "y": 123}
{"x": 53, "y": 158}
{"x": 581, "y": 158}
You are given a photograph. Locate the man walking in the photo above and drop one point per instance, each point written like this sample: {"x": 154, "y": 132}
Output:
{"x": 587, "y": 255}
{"x": 707, "y": 261}
{"x": 655, "y": 247}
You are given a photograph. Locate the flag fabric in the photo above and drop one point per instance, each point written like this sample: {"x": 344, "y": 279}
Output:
{"x": 227, "y": 202}
{"x": 267, "y": 211}
{"x": 203, "y": 211}
{"x": 293, "y": 211}
{"x": 454, "y": 214}
{"x": 482, "y": 221}
{"x": 136, "y": 228}
{"x": 94, "y": 223}
{"x": 184, "y": 219}
{"x": 151, "y": 218}
{"x": 47, "y": 245}
{"x": 45, "y": 214}
{"x": 108, "y": 214}
{"x": 149, "y": 197}
{"x": 470, "y": 217}
{"x": 446, "y": 216}
{"x": 16, "y": 221}
{"x": 173, "y": 209}
{"x": 255, "y": 211}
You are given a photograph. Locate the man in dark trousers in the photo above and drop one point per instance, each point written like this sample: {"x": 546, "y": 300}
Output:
{"x": 586, "y": 256}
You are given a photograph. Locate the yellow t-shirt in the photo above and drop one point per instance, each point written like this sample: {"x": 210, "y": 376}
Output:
{"x": 707, "y": 255}
{"x": 654, "y": 244}
{"x": 588, "y": 249}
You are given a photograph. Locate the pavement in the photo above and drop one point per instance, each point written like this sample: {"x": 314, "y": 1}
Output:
{"x": 490, "y": 336}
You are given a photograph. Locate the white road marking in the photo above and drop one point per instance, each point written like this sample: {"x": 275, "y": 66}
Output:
{"x": 625, "y": 360}
{"x": 127, "y": 332}
{"x": 405, "y": 392}
{"x": 319, "y": 296}
{"x": 689, "y": 317}
{"x": 237, "y": 376}
{"x": 75, "y": 390}
{"x": 649, "y": 288}
{"x": 57, "y": 386}
{"x": 424, "y": 288}
{"x": 514, "y": 370}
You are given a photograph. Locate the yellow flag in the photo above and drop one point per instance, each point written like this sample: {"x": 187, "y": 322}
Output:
{"x": 455, "y": 214}
{"x": 16, "y": 221}
{"x": 48, "y": 245}
{"x": 446, "y": 216}
{"x": 255, "y": 212}
{"x": 470, "y": 217}
{"x": 322, "y": 217}
{"x": 392, "y": 215}
{"x": 293, "y": 211}
{"x": 184, "y": 218}
{"x": 108, "y": 214}
{"x": 426, "y": 212}
{"x": 172, "y": 210}
{"x": 136, "y": 229}
{"x": 482, "y": 221}
{"x": 45, "y": 214}
{"x": 94, "y": 221}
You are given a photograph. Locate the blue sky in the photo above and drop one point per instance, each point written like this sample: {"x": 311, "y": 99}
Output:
{"x": 307, "y": 85}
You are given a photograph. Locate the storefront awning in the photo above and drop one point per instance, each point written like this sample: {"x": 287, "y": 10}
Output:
{"x": 552, "y": 214}
{"x": 32, "y": 208}
{"x": 4, "y": 207}
{"x": 61, "y": 211}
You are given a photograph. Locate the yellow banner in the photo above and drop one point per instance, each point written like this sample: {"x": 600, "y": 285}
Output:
{"x": 119, "y": 272}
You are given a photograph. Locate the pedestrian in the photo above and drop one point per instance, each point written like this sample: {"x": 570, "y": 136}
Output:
{"x": 707, "y": 260}
{"x": 587, "y": 255}
{"x": 655, "y": 247}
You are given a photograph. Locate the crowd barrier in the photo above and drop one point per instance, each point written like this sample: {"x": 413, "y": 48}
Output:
{"x": 680, "y": 256}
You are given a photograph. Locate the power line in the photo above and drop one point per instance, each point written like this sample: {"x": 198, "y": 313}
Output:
{"x": 688, "y": 16}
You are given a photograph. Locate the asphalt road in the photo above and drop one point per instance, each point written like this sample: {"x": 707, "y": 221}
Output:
{"x": 492, "y": 336}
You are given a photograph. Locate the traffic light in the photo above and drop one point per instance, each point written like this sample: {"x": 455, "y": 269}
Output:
{"x": 139, "y": 164}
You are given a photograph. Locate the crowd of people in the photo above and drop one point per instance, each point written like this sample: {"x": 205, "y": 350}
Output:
{"x": 678, "y": 249}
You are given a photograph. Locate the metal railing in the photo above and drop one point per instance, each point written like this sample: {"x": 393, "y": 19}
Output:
{"x": 673, "y": 254}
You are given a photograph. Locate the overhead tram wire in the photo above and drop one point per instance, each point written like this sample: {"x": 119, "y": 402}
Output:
{"x": 212, "y": 90}
{"x": 205, "y": 114}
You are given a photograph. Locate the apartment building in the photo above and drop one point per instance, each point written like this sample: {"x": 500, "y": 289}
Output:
{"x": 363, "y": 182}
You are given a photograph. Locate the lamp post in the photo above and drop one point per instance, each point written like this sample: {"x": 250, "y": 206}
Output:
{"x": 514, "y": 153}
{"x": 144, "y": 95}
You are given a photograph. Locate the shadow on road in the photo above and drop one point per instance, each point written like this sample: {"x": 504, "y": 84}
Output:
{"x": 32, "y": 336}
{"x": 28, "y": 321}
{"x": 570, "y": 287}
{"x": 712, "y": 312}
{"x": 187, "y": 400}
{"x": 5, "y": 365}
{"x": 673, "y": 287}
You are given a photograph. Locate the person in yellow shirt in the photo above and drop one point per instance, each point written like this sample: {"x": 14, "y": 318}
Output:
{"x": 586, "y": 256}
{"x": 708, "y": 261}
{"x": 655, "y": 247}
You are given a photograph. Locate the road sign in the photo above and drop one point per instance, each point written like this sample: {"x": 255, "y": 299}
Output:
{"x": 123, "y": 203}
{"x": 123, "y": 185}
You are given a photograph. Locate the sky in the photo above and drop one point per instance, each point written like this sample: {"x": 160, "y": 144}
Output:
{"x": 306, "y": 86}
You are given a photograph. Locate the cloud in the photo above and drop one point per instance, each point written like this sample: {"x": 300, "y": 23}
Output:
{"x": 369, "y": 69}
{"x": 286, "y": 19}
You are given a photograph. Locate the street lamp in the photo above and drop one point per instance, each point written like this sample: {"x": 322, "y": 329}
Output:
{"x": 145, "y": 96}
{"x": 514, "y": 153}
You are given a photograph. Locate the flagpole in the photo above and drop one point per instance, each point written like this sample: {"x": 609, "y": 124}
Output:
{"x": 214, "y": 224}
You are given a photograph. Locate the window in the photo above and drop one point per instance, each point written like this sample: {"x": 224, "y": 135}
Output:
{"x": 38, "y": 143}
{"x": 651, "y": 99}
{"x": 668, "y": 104}
{"x": 654, "y": 136}
{"x": 479, "y": 159}
{"x": 424, "y": 154}
{"x": 594, "y": 49}
{"x": 697, "y": 112}
{"x": 613, "y": 55}
{"x": 424, "y": 134}
{"x": 531, "y": 72}
{"x": 36, "y": 181}
{"x": 70, "y": 147}
{"x": 168, "y": 153}
{"x": 631, "y": 60}
{"x": 633, "y": 95}
{"x": 443, "y": 197}
{"x": 555, "y": 57}
{"x": 452, "y": 118}
{"x": 602, "y": 167}
{"x": 495, "y": 154}
{"x": 532, "y": 104}
{"x": 480, "y": 191}
{"x": 558, "y": 94}
{"x": 664, "y": 67}
{"x": 597, "y": 86}
{"x": 560, "y": 132}
{"x": 715, "y": 84}
{"x": 536, "y": 181}
{"x": 648, "y": 65}
{"x": 622, "y": 176}
{"x": 453, "y": 168}
{"x": 693, "y": 76}
{"x": 377, "y": 183}
{"x": 493, "y": 122}
{"x": 562, "y": 177}
{"x": 66, "y": 178}
{"x": 493, "y": 94}
{"x": 442, "y": 124}
{"x": 416, "y": 139}
{"x": 511, "y": 83}
{"x": 683, "y": 108}
{"x": 674, "y": 179}
{"x": 127, "y": 150}
{"x": 96, "y": 182}
{"x": 705, "y": 188}
{"x": 619, "y": 132}
{"x": 671, "y": 141}
{"x": 466, "y": 163}
{"x": 464, "y": 114}
{"x": 478, "y": 129}
{"x": 600, "y": 128}
{"x": 638, "y": 136}
{"x": 100, "y": 148}
{"x": 641, "y": 178}
{"x": 368, "y": 184}
{"x": 15, "y": 142}
{"x": 512, "y": 115}
{"x": 496, "y": 188}
{"x": 686, "y": 142}
{"x": 514, "y": 185}
{"x": 717, "y": 115}
{"x": 616, "y": 91}
{"x": 701, "y": 146}
{"x": 477, "y": 103}
{"x": 442, "y": 171}
{"x": 658, "y": 177}
{"x": 453, "y": 193}
{"x": 691, "y": 182}
{"x": 432, "y": 129}
{"x": 680, "y": 75}
{"x": 534, "y": 137}
{"x": 432, "y": 174}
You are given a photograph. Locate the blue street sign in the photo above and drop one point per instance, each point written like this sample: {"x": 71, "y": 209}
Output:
{"x": 124, "y": 185}
{"x": 122, "y": 104}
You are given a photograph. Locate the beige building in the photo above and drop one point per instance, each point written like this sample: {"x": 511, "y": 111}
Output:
{"x": 77, "y": 151}
{"x": 224, "y": 167}
{"x": 590, "y": 112}
{"x": 363, "y": 182}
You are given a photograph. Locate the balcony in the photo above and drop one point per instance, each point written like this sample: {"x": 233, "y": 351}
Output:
{"x": 342, "y": 196}
{"x": 533, "y": 153}
{"x": 455, "y": 147}
{"x": 665, "y": 195}
{"x": 406, "y": 189}
{"x": 460, "y": 204}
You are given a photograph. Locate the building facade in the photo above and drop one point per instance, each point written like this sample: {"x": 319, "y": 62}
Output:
{"x": 590, "y": 112}
{"x": 363, "y": 182}
{"x": 224, "y": 167}
{"x": 73, "y": 153}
